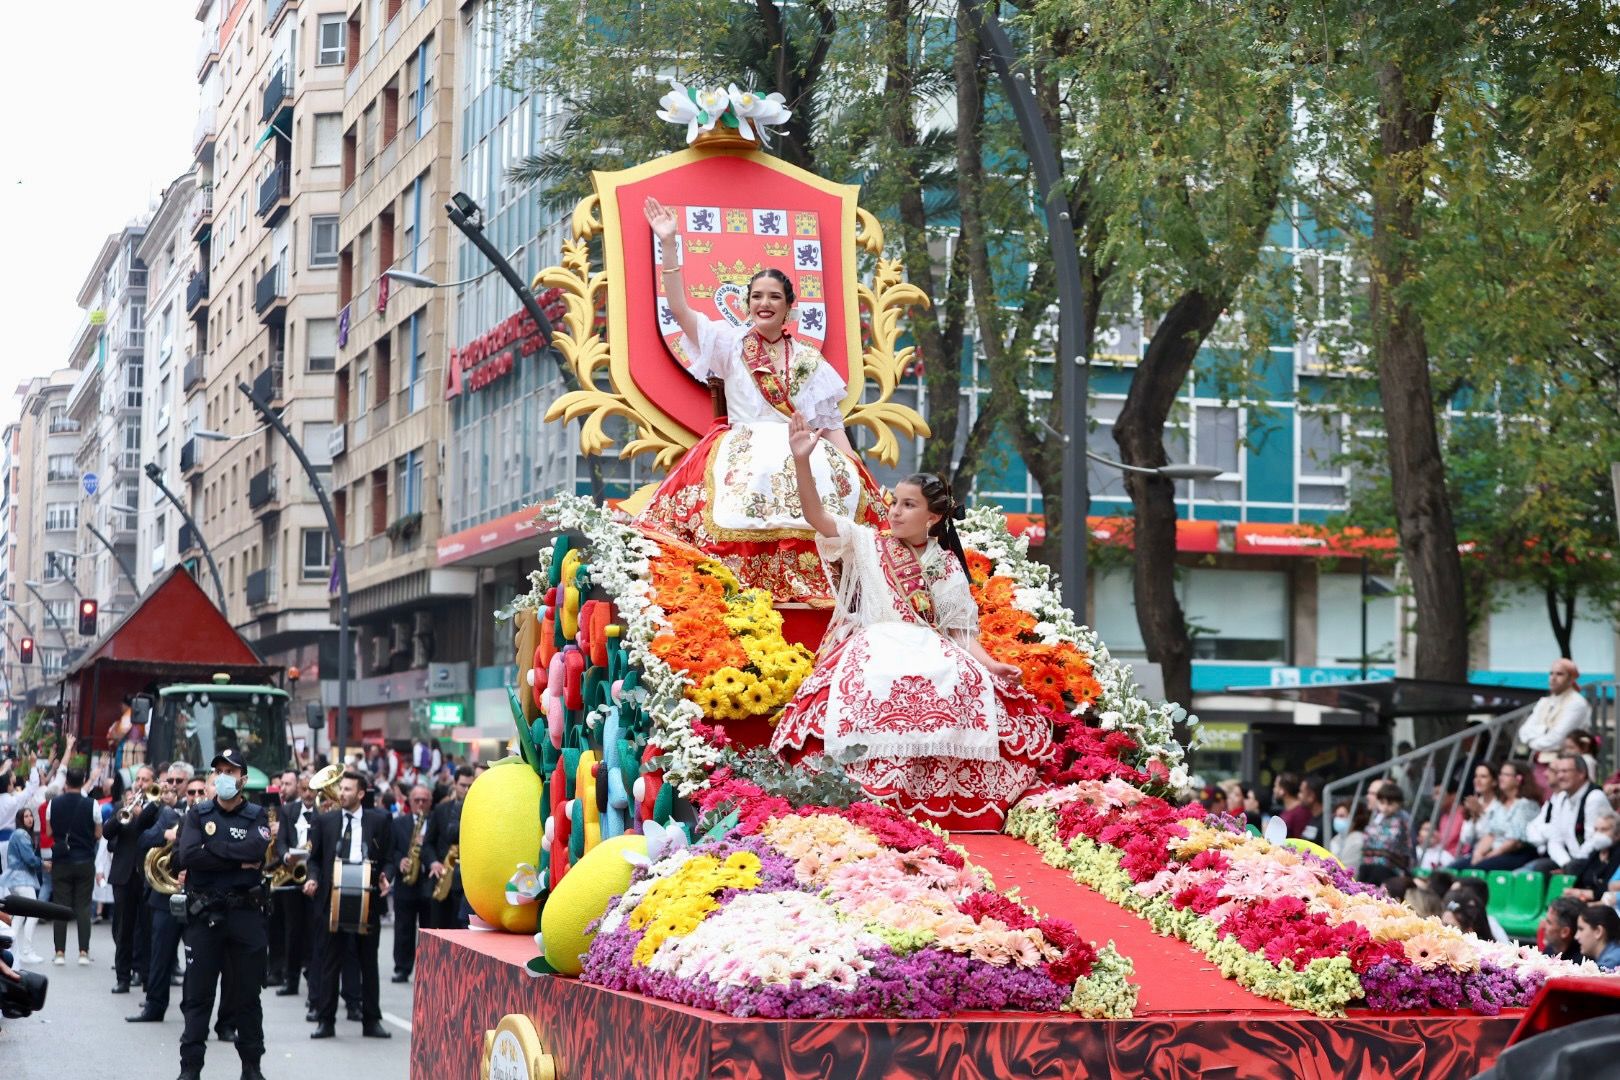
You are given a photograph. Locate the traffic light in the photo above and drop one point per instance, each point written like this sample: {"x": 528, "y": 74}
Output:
{"x": 26, "y": 650}
{"x": 87, "y": 617}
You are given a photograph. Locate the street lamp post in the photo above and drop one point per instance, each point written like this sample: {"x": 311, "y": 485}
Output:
{"x": 14, "y": 645}
{"x": 33, "y": 587}
{"x": 55, "y": 557}
{"x": 1072, "y": 362}
{"x": 339, "y": 563}
{"x": 154, "y": 474}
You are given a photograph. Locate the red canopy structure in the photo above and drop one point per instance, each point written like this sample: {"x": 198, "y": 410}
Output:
{"x": 174, "y": 633}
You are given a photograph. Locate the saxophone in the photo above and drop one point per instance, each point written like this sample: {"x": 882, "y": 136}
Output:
{"x": 441, "y": 888}
{"x": 413, "y": 859}
{"x": 281, "y": 875}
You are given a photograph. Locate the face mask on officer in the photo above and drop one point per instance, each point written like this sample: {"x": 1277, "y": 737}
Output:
{"x": 226, "y": 786}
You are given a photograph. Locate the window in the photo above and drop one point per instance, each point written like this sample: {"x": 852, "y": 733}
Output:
{"x": 329, "y": 41}
{"x": 60, "y": 467}
{"x": 62, "y": 517}
{"x": 321, "y": 344}
{"x": 1216, "y": 440}
{"x": 61, "y": 611}
{"x": 323, "y": 240}
{"x": 1321, "y": 474}
{"x": 317, "y": 557}
{"x": 134, "y": 380}
{"x": 328, "y": 139}
{"x": 1237, "y": 614}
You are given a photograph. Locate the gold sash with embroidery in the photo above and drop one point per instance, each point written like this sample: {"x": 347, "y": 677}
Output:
{"x": 757, "y": 359}
{"x": 904, "y": 573}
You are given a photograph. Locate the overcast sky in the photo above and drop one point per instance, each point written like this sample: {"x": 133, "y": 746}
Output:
{"x": 92, "y": 135}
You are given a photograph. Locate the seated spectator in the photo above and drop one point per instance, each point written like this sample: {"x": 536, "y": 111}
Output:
{"x": 1349, "y": 840}
{"x": 1596, "y": 872}
{"x": 1430, "y": 855}
{"x": 1611, "y": 789}
{"x": 1558, "y": 928}
{"x": 1464, "y": 911}
{"x": 1388, "y": 849}
{"x": 1422, "y": 900}
{"x": 1583, "y": 743}
{"x": 1449, "y": 826}
{"x": 1287, "y": 804}
{"x": 1474, "y": 806}
{"x": 1565, "y": 831}
{"x": 1597, "y": 932}
{"x": 1562, "y": 711}
{"x": 1503, "y": 830}
{"x": 1310, "y": 796}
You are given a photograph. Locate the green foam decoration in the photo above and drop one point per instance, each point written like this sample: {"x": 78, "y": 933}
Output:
{"x": 538, "y": 966}
{"x": 559, "y": 548}
{"x": 591, "y": 687}
{"x": 576, "y": 836}
{"x": 525, "y": 737}
{"x": 570, "y": 756}
{"x": 664, "y": 805}
{"x": 721, "y": 827}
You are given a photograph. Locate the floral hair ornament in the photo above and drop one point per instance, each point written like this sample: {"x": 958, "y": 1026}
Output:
{"x": 661, "y": 841}
{"x": 751, "y": 114}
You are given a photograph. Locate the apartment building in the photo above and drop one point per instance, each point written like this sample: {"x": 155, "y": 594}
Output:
{"x": 167, "y": 251}
{"x": 13, "y": 677}
{"x": 414, "y": 620}
{"x": 47, "y": 518}
{"x": 262, "y": 303}
{"x": 109, "y": 354}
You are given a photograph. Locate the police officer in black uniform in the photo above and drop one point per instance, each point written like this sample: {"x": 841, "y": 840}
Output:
{"x": 222, "y": 850}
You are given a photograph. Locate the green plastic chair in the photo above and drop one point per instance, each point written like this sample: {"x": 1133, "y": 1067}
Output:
{"x": 1526, "y": 898}
{"x": 1501, "y": 886}
{"x": 1422, "y": 872}
{"x": 1557, "y": 884}
{"x": 1471, "y": 872}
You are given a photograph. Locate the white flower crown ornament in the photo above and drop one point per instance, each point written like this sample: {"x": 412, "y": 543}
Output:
{"x": 753, "y": 115}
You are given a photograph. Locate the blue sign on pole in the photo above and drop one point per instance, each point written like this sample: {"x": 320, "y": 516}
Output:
{"x": 91, "y": 483}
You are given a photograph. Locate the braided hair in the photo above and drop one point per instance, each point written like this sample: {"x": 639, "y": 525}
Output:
{"x": 779, "y": 277}
{"x": 939, "y": 499}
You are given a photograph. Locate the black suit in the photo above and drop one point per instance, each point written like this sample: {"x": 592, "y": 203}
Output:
{"x": 294, "y": 906}
{"x": 444, "y": 832}
{"x": 132, "y": 923}
{"x": 377, "y": 848}
{"x": 410, "y": 901}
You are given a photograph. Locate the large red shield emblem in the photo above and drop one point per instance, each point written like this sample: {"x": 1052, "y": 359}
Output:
{"x": 739, "y": 212}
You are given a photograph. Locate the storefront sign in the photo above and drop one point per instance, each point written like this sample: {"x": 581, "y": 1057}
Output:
{"x": 491, "y": 356}
{"x": 445, "y": 713}
{"x": 1266, "y": 539}
{"x": 518, "y": 525}
{"x": 1192, "y": 536}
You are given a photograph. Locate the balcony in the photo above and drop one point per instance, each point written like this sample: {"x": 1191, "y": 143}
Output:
{"x": 188, "y": 539}
{"x": 337, "y": 439}
{"x": 274, "y": 11}
{"x": 258, "y": 588}
{"x": 261, "y": 488}
{"x": 270, "y": 295}
{"x": 190, "y": 456}
{"x": 56, "y": 476}
{"x": 200, "y": 213}
{"x": 63, "y": 425}
{"x": 197, "y": 294}
{"x": 204, "y": 134}
{"x": 275, "y": 194}
{"x": 195, "y": 371}
{"x": 267, "y": 383}
{"x": 207, "y": 52}
{"x": 277, "y": 95}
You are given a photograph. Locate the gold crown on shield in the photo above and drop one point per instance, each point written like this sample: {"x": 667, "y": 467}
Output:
{"x": 700, "y": 247}
{"x": 738, "y": 273}
{"x": 776, "y": 249}
{"x": 700, "y": 292}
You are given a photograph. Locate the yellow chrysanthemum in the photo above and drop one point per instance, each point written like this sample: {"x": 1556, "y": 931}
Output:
{"x": 728, "y": 680}
{"x": 756, "y": 700}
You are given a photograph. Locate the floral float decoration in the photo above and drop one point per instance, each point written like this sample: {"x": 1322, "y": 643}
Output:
{"x": 751, "y": 114}
{"x": 821, "y": 911}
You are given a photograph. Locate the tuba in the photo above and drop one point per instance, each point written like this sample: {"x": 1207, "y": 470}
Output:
{"x": 159, "y": 867}
{"x": 325, "y": 782}
{"x": 441, "y": 888}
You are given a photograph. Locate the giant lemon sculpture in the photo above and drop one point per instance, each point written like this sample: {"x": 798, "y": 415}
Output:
{"x": 582, "y": 896}
{"x": 501, "y": 827}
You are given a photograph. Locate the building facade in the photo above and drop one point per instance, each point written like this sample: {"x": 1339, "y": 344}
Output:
{"x": 106, "y": 402}
{"x": 166, "y": 250}
{"x": 47, "y": 504}
{"x": 264, "y": 314}
{"x": 413, "y": 619}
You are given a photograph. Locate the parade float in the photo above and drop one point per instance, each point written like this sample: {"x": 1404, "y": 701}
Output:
{"x": 657, "y": 895}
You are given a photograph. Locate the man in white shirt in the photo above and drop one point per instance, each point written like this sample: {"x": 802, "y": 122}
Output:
{"x": 1562, "y": 711}
{"x": 1566, "y": 830}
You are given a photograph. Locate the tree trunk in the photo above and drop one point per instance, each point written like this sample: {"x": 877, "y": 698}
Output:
{"x": 1139, "y": 431}
{"x": 1563, "y": 624}
{"x": 1417, "y": 472}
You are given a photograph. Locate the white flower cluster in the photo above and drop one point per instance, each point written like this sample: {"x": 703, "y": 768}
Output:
{"x": 620, "y": 562}
{"x": 1121, "y": 706}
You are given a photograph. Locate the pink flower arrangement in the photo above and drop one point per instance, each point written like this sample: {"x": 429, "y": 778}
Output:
{"x": 852, "y": 911}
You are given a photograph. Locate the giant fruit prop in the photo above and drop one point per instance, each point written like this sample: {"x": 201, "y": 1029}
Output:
{"x": 501, "y": 826}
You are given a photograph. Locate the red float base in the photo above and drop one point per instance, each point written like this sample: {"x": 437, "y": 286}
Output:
{"x": 1190, "y": 1021}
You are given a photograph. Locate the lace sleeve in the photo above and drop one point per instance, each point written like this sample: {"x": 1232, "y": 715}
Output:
{"x": 820, "y": 397}
{"x": 956, "y": 613}
{"x": 710, "y": 354}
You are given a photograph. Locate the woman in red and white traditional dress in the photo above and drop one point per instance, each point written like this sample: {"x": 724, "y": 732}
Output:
{"x": 733, "y": 495}
{"x": 946, "y": 732}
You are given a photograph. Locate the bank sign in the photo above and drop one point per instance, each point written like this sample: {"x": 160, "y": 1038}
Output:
{"x": 490, "y": 357}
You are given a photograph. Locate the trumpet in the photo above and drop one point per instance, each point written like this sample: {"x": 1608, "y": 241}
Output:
{"x": 147, "y": 797}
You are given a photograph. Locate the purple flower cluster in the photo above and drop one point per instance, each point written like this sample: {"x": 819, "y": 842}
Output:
{"x": 1342, "y": 878}
{"x": 928, "y": 983}
{"x": 1397, "y": 986}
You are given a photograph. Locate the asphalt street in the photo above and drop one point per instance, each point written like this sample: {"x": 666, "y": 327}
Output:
{"x": 81, "y": 1033}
